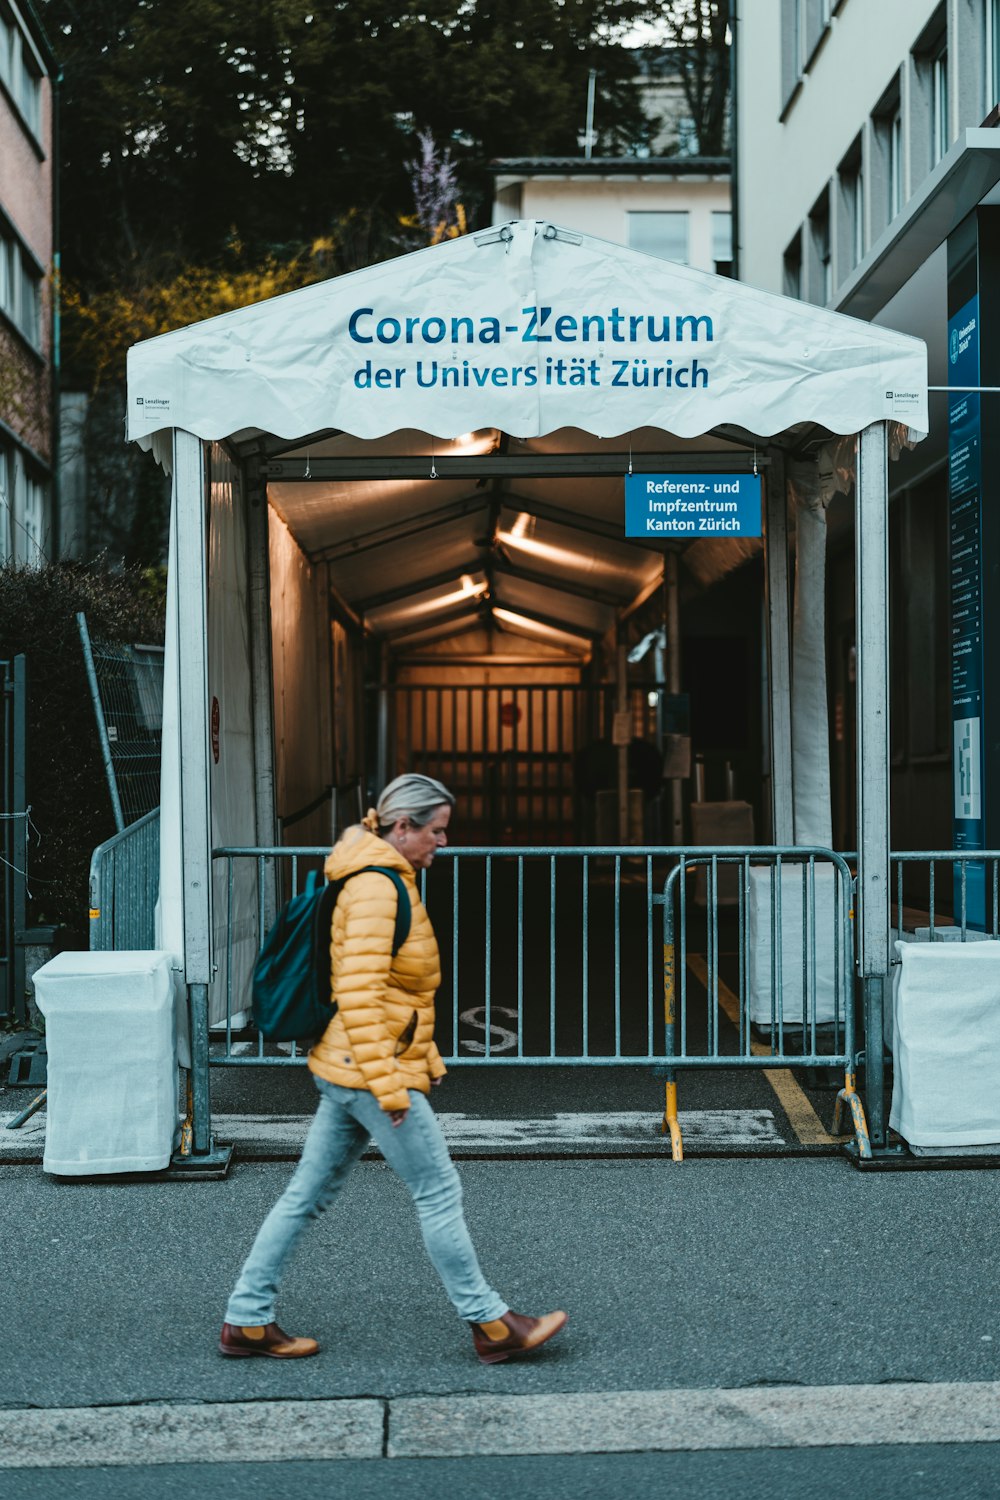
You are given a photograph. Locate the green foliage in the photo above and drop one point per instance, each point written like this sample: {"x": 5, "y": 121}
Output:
{"x": 184, "y": 121}
{"x": 67, "y": 790}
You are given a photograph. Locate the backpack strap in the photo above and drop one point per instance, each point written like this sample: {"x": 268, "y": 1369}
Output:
{"x": 404, "y": 911}
{"x": 323, "y": 916}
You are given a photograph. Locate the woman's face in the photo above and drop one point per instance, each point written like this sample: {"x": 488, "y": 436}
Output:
{"x": 419, "y": 845}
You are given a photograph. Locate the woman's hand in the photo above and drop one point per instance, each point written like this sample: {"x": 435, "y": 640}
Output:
{"x": 397, "y": 1116}
{"x": 435, "y": 1082}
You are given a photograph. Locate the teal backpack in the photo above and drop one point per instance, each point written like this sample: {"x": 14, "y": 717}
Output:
{"x": 291, "y": 977}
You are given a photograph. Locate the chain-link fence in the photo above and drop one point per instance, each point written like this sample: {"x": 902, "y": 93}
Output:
{"x": 126, "y": 684}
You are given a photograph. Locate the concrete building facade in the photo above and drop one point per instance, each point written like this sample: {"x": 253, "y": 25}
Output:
{"x": 674, "y": 207}
{"x": 867, "y": 166}
{"x": 663, "y": 195}
{"x": 27, "y": 347}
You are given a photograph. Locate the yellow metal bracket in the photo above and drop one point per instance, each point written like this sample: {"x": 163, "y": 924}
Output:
{"x": 849, "y": 1100}
{"x": 672, "y": 1124}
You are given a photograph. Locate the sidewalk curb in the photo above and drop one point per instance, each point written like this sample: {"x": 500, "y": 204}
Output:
{"x": 669, "y": 1421}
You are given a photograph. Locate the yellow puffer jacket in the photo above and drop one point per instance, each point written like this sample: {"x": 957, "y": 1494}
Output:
{"x": 382, "y": 1036}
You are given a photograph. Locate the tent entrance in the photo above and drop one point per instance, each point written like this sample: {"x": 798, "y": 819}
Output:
{"x": 529, "y": 763}
{"x": 484, "y": 602}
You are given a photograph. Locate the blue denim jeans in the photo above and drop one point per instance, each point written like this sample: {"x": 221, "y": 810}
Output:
{"x": 416, "y": 1151}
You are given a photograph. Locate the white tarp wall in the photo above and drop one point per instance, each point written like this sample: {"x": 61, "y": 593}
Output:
{"x": 813, "y": 817}
{"x": 231, "y": 726}
{"x": 300, "y": 653}
{"x": 231, "y": 754}
{"x": 812, "y": 807}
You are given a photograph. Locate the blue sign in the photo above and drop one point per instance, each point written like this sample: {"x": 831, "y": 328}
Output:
{"x": 965, "y": 506}
{"x": 692, "y": 505}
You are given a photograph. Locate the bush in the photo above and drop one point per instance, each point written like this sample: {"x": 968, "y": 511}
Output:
{"x": 67, "y": 787}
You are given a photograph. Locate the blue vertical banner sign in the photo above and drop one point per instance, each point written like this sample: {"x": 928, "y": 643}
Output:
{"x": 966, "y": 570}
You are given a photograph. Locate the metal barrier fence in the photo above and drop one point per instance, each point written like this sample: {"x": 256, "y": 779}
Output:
{"x": 970, "y": 902}
{"x": 126, "y": 688}
{"x": 124, "y": 884}
{"x": 549, "y": 956}
{"x": 787, "y": 987}
{"x": 14, "y": 820}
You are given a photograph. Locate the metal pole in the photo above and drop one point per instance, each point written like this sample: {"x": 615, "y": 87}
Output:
{"x": 871, "y": 543}
{"x": 261, "y": 676}
{"x": 382, "y": 776}
{"x": 671, "y": 1124}
{"x": 19, "y": 835}
{"x": 778, "y": 652}
{"x": 588, "y": 149}
{"x": 102, "y": 728}
{"x": 621, "y": 708}
{"x": 191, "y": 584}
{"x": 676, "y": 830}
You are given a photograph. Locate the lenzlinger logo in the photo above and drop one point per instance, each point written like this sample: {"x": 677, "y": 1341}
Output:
{"x": 954, "y": 346}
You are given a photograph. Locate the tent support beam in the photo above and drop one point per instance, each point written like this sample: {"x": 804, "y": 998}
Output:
{"x": 407, "y": 591}
{"x": 509, "y": 465}
{"x": 647, "y": 591}
{"x": 621, "y": 709}
{"x": 196, "y": 812}
{"x": 413, "y": 526}
{"x": 778, "y": 650}
{"x": 672, "y": 622}
{"x": 871, "y": 543}
{"x": 259, "y": 605}
{"x": 582, "y": 632}
{"x": 460, "y": 610}
{"x": 508, "y": 568}
{"x": 587, "y": 525}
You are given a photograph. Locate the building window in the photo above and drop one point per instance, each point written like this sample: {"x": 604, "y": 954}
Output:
{"x": 940, "y": 133}
{"x": 22, "y": 510}
{"x": 803, "y": 25}
{"x": 793, "y": 268}
{"x": 722, "y": 242}
{"x": 851, "y": 219}
{"x": 20, "y": 289}
{"x": 6, "y": 504}
{"x": 20, "y": 73}
{"x": 662, "y": 234}
{"x": 992, "y": 50}
{"x": 821, "y": 278}
{"x": 858, "y": 218}
{"x": 895, "y": 173}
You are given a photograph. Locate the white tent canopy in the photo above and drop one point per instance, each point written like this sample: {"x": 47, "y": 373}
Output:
{"x": 527, "y": 344}
{"x": 528, "y": 328}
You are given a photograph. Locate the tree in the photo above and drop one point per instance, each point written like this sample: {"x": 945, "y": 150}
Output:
{"x": 187, "y": 123}
{"x": 699, "y": 30}
{"x": 208, "y": 148}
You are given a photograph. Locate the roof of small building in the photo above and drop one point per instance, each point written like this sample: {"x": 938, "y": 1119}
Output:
{"x": 604, "y": 166}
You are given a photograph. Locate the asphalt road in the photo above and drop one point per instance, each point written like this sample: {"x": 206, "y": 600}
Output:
{"x": 715, "y": 1273}
{"x": 914, "y": 1473}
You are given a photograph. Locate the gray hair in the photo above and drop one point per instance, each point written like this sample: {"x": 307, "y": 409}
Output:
{"x": 414, "y": 797}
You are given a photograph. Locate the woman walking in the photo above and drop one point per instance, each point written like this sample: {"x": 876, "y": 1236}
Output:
{"x": 373, "y": 1067}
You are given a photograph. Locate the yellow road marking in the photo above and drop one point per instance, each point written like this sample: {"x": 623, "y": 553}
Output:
{"x": 801, "y": 1116}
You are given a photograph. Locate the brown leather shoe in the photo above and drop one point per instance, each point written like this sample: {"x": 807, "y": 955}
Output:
{"x": 269, "y": 1340}
{"x": 514, "y": 1333}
